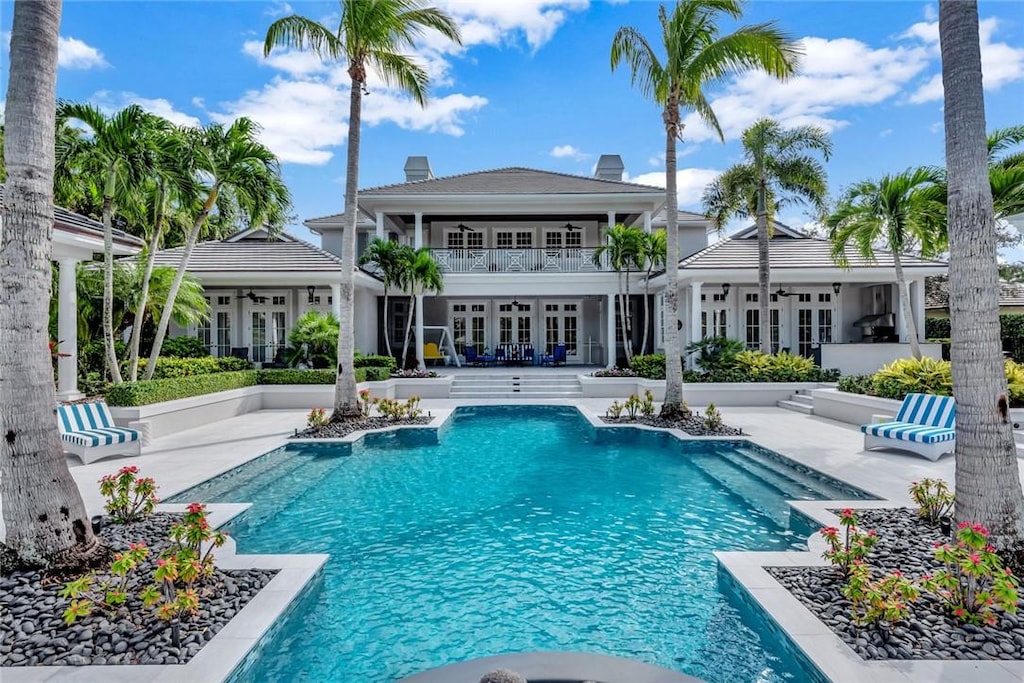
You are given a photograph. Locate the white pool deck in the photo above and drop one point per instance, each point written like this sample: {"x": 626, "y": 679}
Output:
{"x": 180, "y": 461}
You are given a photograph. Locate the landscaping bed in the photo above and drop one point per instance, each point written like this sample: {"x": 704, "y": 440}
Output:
{"x": 694, "y": 425}
{"x": 905, "y": 543}
{"x": 337, "y": 430}
{"x": 33, "y": 631}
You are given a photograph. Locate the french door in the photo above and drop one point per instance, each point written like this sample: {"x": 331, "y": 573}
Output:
{"x": 562, "y": 326}
{"x": 515, "y": 323}
{"x": 814, "y": 319}
{"x": 267, "y": 318}
{"x": 215, "y": 333}
{"x": 469, "y": 325}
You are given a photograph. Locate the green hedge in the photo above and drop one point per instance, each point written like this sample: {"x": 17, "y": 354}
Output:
{"x": 159, "y": 390}
{"x": 374, "y": 374}
{"x": 184, "y": 347}
{"x": 169, "y": 366}
{"x": 651, "y": 366}
{"x": 376, "y": 362}
{"x": 297, "y": 376}
{"x": 1011, "y": 331}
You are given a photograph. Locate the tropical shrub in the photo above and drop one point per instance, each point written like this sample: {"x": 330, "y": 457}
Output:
{"x": 314, "y": 341}
{"x": 614, "y": 372}
{"x": 853, "y": 546}
{"x": 92, "y": 357}
{"x": 914, "y": 375}
{"x": 857, "y": 384}
{"x": 317, "y": 417}
{"x": 615, "y": 410}
{"x": 712, "y": 418}
{"x": 199, "y": 365}
{"x": 886, "y": 599}
{"x": 184, "y": 346}
{"x": 934, "y": 499}
{"x": 715, "y": 353}
{"x": 129, "y": 498}
{"x": 362, "y": 361}
{"x": 754, "y": 366}
{"x": 651, "y": 366}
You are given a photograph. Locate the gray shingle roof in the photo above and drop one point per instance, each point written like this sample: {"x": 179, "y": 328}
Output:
{"x": 513, "y": 180}
{"x": 788, "y": 253}
{"x": 936, "y": 296}
{"x": 284, "y": 254}
{"x": 75, "y": 222}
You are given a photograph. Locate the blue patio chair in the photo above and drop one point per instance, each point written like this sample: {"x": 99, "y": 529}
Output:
{"x": 471, "y": 357}
{"x": 925, "y": 425}
{"x": 556, "y": 358}
{"x": 88, "y": 431}
{"x": 487, "y": 358}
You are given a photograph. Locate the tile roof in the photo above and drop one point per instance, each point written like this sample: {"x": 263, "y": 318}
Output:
{"x": 936, "y": 295}
{"x": 75, "y": 222}
{"x": 788, "y": 253}
{"x": 281, "y": 255}
{"x": 512, "y": 180}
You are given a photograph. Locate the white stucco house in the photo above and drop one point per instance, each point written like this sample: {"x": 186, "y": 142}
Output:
{"x": 516, "y": 248}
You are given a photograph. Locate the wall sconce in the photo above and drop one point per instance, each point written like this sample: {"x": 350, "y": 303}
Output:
{"x": 310, "y": 290}
{"x": 836, "y": 286}
{"x": 725, "y": 288}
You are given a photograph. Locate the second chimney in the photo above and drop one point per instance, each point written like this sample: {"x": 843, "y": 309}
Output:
{"x": 417, "y": 168}
{"x": 609, "y": 167}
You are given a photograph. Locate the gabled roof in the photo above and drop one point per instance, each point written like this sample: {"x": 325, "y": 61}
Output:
{"x": 739, "y": 252}
{"x": 510, "y": 181}
{"x": 778, "y": 230}
{"x": 249, "y": 251}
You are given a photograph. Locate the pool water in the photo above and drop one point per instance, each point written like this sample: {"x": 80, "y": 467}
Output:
{"x": 514, "y": 529}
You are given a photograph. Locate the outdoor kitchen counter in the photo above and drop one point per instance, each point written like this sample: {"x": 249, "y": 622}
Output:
{"x": 864, "y": 359}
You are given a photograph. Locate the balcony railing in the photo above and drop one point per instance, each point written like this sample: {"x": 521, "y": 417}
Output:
{"x": 576, "y": 260}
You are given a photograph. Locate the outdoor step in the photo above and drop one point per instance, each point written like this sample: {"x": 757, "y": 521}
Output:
{"x": 796, "y": 407}
{"x": 516, "y": 380}
{"x": 805, "y": 399}
{"x": 801, "y": 479}
{"x": 518, "y": 395}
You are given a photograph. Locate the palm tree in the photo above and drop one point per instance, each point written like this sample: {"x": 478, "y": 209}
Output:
{"x": 237, "y": 171}
{"x": 43, "y": 512}
{"x": 650, "y": 256}
{"x": 314, "y": 340}
{"x": 370, "y": 35}
{"x": 391, "y": 260}
{"x": 777, "y": 170}
{"x": 622, "y": 249}
{"x": 116, "y": 153}
{"x": 695, "y": 56}
{"x": 987, "y": 479}
{"x": 420, "y": 274}
{"x": 899, "y": 211}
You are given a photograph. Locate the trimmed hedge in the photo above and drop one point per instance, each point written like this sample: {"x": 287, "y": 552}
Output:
{"x": 160, "y": 390}
{"x": 170, "y": 366}
{"x": 651, "y": 366}
{"x": 1011, "y": 331}
{"x": 926, "y": 376}
{"x": 376, "y": 362}
{"x": 297, "y": 377}
{"x": 374, "y": 374}
{"x": 184, "y": 346}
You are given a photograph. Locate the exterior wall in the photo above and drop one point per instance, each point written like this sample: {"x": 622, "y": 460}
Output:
{"x": 864, "y": 359}
{"x": 365, "y": 319}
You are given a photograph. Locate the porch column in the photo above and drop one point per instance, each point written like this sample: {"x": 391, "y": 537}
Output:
{"x": 419, "y": 333}
{"x": 418, "y": 235}
{"x": 609, "y": 360}
{"x": 917, "y": 302}
{"x": 67, "y": 332}
{"x": 336, "y": 300}
{"x": 380, "y": 225}
{"x": 647, "y": 221}
{"x": 901, "y": 320}
{"x": 695, "y": 308}
{"x": 611, "y": 220}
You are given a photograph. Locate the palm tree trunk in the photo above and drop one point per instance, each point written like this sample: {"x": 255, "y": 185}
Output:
{"x": 387, "y": 336}
{"x": 179, "y": 275}
{"x": 764, "y": 296}
{"x": 647, "y": 310}
{"x": 908, "y": 313}
{"x": 43, "y": 512}
{"x": 140, "y": 310}
{"x": 622, "y": 320}
{"x": 108, "y": 277}
{"x": 988, "y": 487}
{"x": 346, "y": 399}
{"x": 672, "y": 407}
{"x": 627, "y": 325}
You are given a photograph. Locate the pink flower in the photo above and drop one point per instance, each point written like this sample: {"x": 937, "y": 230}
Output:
{"x": 161, "y": 562}
{"x": 195, "y": 508}
{"x": 975, "y": 559}
{"x": 963, "y": 525}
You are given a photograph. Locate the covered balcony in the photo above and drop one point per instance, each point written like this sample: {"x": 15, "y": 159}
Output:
{"x": 520, "y": 260}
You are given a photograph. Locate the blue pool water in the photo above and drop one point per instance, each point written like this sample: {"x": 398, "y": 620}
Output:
{"x": 514, "y": 529}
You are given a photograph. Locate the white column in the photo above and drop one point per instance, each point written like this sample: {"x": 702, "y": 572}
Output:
{"x": 647, "y": 221}
{"x": 67, "y": 332}
{"x": 418, "y": 236}
{"x": 611, "y": 220}
{"x": 695, "y": 308}
{"x": 901, "y": 320}
{"x": 336, "y": 300}
{"x": 380, "y": 225}
{"x": 419, "y": 332}
{"x": 612, "y": 351}
{"x": 917, "y": 302}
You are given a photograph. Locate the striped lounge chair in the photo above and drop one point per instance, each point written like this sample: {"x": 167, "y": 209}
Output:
{"x": 88, "y": 431}
{"x": 925, "y": 425}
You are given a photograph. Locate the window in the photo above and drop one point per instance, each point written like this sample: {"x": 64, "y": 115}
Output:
{"x": 223, "y": 332}
{"x": 753, "y": 329}
{"x": 751, "y": 298}
{"x": 719, "y": 297}
{"x": 278, "y": 300}
{"x": 223, "y": 300}
{"x": 203, "y": 330}
{"x": 574, "y": 239}
{"x": 503, "y": 239}
{"x": 524, "y": 239}
{"x": 455, "y": 240}
{"x": 824, "y": 298}
{"x": 804, "y": 298}
{"x": 553, "y": 240}
{"x": 804, "y": 331}
{"x": 474, "y": 240}
{"x": 825, "y": 325}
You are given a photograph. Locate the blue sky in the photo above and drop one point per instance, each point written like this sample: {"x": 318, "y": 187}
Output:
{"x": 531, "y": 87}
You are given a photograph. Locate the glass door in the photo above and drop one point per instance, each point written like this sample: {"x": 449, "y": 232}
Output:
{"x": 515, "y": 323}
{"x": 814, "y": 321}
{"x": 562, "y": 326}
{"x": 469, "y": 322}
{"x": 267, "y": 316}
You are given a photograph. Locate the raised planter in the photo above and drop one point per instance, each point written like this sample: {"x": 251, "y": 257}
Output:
{"x": 696, "y": 394}
{"x": 857, "y": 409}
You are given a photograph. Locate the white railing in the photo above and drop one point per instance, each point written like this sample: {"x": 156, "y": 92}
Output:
{"x": 579, "y": 260}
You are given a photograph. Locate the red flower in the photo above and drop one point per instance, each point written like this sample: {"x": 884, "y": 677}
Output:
{"x": 963, "y": 525}
{"x": 195, "y": 508}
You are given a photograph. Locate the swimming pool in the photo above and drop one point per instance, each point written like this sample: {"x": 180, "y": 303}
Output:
{"x": 519, "y": 528}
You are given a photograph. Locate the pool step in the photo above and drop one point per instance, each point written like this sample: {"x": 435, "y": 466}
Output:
{"x": 755, "y": 491}
{"x": 535, "y": 385}
{"x": 799, "y": 402}
{"x": 817, "y": 488}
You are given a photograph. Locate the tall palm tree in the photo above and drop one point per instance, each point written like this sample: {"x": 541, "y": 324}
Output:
{"x": 696, "y": 56}
{"x": 374, "y": 35}
{"x": 987, "y": 479}
{"x": 900, "y": 212}
{"x": 650, "y": 256}
{"x": 420, "y": 274}
{"x": 622, "y": 248}
{"x": 391, "y": 261}
{"x": 116, "y": 153}
{"x": 778, "y": 169}
{"x": 237, "y": 170}
{"x": 43, "y": 512}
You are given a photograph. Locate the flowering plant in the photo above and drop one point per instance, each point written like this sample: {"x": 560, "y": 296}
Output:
{"x": 974, "y": 580}
{"x": 109, "y": 594}
{"x": 414, "y": 374}
{"x": 614, "y": 372}
{"x": 853, "y": 546}
{"x": 365, "y": 402}
{"x": 317, "y": 417}
{"x": 129, "y": 497}
{"x": 880, "y": 600}
{"x": 933, "y": 498}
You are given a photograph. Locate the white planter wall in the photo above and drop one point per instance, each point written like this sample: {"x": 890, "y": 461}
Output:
{"x": 857, "y": 409}
{"x": 696, "y": 394}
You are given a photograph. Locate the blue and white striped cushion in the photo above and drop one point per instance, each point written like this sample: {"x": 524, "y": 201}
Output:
{"x": 101, "y": 437}
{"x": 905, "y": 431}
{"x": 928, "y": 410}
{"x": 79, "y": 417}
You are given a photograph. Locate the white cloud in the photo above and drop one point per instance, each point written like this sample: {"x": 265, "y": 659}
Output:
{"x": 568, "y": 152}
{"x": 1001, "y": 63}
{"x": 935, "y": 127}
{"x": 73, "y": 53}
{"x": 441, "y": 115}
{"x": 110, "y": 102}
{"x": 294, "y": 62}
{"x": 278, "y": 10}
{"x": 885, "y": 133}
{"x": 930, "y": 13}
{"x": 494, "y": 22}
{"x": 690, "y": 183}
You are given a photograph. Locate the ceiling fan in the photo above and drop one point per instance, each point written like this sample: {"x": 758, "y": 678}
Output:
{"x": 256, "y": 299}
{"x": 570, "y": 227}
{"x": 464, "y": 228}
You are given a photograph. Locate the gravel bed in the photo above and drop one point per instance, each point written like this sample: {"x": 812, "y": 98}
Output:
{"x": 33, "y": 632}
{"x": 905, "y": 543}
{"x": 336, "y": 430}
{"x": 694, "y": 426}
